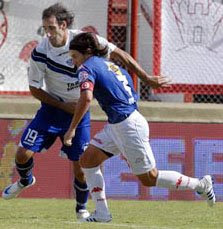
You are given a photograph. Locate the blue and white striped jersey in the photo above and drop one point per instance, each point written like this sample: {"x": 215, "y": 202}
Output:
{"x": 52, "y": 69}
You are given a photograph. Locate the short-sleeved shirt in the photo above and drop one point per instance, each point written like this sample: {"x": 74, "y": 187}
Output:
{"x": 113, "y": 87}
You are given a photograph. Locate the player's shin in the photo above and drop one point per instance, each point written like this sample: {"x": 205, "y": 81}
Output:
{"x": 25, "y": 172}
{"x": 82, "y": 192}
{"x": 96, "y": 185}
{"x": 178, "y": 181}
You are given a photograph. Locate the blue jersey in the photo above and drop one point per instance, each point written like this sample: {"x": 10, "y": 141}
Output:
{"x": 113, "y": 87}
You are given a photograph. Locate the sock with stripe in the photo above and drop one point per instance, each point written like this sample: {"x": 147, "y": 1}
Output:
{"x": 177, "y": 181}
{"x": 96, "y": 185}
{"x": 25, "y": 172}
{"x": 82, "y": 192}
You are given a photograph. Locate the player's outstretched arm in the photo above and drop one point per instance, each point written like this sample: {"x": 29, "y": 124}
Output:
{"x": 82, "y": 107}
{"x": 133, "y": 66}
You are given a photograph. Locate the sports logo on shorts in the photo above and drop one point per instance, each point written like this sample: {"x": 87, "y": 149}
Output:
{"x": 83, "y": 76}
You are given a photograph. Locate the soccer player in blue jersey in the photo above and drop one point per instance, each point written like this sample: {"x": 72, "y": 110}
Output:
{"x": 52, "y": 80}
{"x": 126, "y": 132}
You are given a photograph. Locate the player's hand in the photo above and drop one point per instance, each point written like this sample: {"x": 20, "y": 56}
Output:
{"x": 159, "y": 81}
{"x": 68, "y": 137}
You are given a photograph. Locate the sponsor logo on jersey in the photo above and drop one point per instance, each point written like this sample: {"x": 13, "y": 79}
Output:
{"x": 70, "y": 62}
{"x": 71, "y": 86}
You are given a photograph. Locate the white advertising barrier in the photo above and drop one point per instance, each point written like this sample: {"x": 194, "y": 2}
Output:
{"x": 20, "y": 31}
{"x": 192, "y": 41}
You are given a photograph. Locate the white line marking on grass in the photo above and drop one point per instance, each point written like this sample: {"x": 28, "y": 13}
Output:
{"x": 110, "y": 224}
{"x": 134, "y": 226}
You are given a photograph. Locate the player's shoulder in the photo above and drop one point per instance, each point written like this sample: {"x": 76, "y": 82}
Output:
{"x": 92, "y": 63}
{"x": 90, "y": 66}
{"x": 95, "y": 65}
{"x": 42, "y": 46}
{"x": 74, "y": 32}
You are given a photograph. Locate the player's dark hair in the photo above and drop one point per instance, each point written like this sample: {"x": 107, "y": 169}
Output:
{"x": 87, "y": 43}
{"x": 60, "y": 12}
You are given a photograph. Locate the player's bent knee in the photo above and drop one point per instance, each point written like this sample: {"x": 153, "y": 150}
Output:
{"x": 87, "y": 161}
{"x": 149, "y": 179}
{"x": 153, "y": 174}
{"x": 23, "y": 155}
{"x": 80, "y": 176}
{"x": 92, "y": 157}
{"x": 78, "y": 173}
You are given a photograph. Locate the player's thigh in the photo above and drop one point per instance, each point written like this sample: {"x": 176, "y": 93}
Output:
{"x": 79, "y": 144}
{"x": 104, "y": 141}
{"x": 23, "y": 155}
{"x": 140, "y": 158}
{"x": 149, "y": 178}
{"x": 132, "y": 137}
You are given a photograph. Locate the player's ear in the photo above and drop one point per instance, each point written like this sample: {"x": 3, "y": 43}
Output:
{"x": 89, "y": 51}
{"x": 64, "y": 24}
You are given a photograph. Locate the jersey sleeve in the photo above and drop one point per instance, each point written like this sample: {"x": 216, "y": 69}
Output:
{"x": 86, "y": 80}
{"x": 36, "y": 71}
{"x": 85, "y": 75}
{"x": 103, "y": 43}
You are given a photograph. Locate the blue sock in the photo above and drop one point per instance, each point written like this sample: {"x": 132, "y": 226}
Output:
{"x": 81, "y": 194}
{"x": 25, "y": 172}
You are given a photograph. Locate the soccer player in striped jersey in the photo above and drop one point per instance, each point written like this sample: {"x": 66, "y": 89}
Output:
{"x": 127, "y": 130}
{"x": 53, "y": 81}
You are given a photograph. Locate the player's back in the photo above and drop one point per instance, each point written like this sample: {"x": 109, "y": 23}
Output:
{"x": 113, "y": 88}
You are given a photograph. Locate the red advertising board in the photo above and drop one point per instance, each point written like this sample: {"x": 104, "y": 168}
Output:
{"x": 192, "y": 149}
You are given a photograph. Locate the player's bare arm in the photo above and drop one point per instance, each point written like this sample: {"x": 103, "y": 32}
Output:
{"x": 133, "y": 66}
{"x": 44, "y": 97}
{"x": 82, "y": 107}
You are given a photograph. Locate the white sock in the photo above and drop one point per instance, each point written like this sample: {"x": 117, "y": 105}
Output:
{"x": 96, "y": 185}
{"x": 178, "y": 181}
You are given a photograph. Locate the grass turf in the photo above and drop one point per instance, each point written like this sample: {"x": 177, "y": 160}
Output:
{"x": 57, "y": 213}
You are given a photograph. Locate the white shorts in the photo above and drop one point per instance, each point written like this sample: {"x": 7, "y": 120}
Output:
{"x": 131, "y": 138}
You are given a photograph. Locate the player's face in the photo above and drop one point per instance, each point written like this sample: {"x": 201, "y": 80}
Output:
{"x": 57, "y": 33}
{"x": 78, "y": 58}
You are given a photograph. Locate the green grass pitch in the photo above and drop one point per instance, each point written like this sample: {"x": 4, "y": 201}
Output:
{"x": 58, "y": 213}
